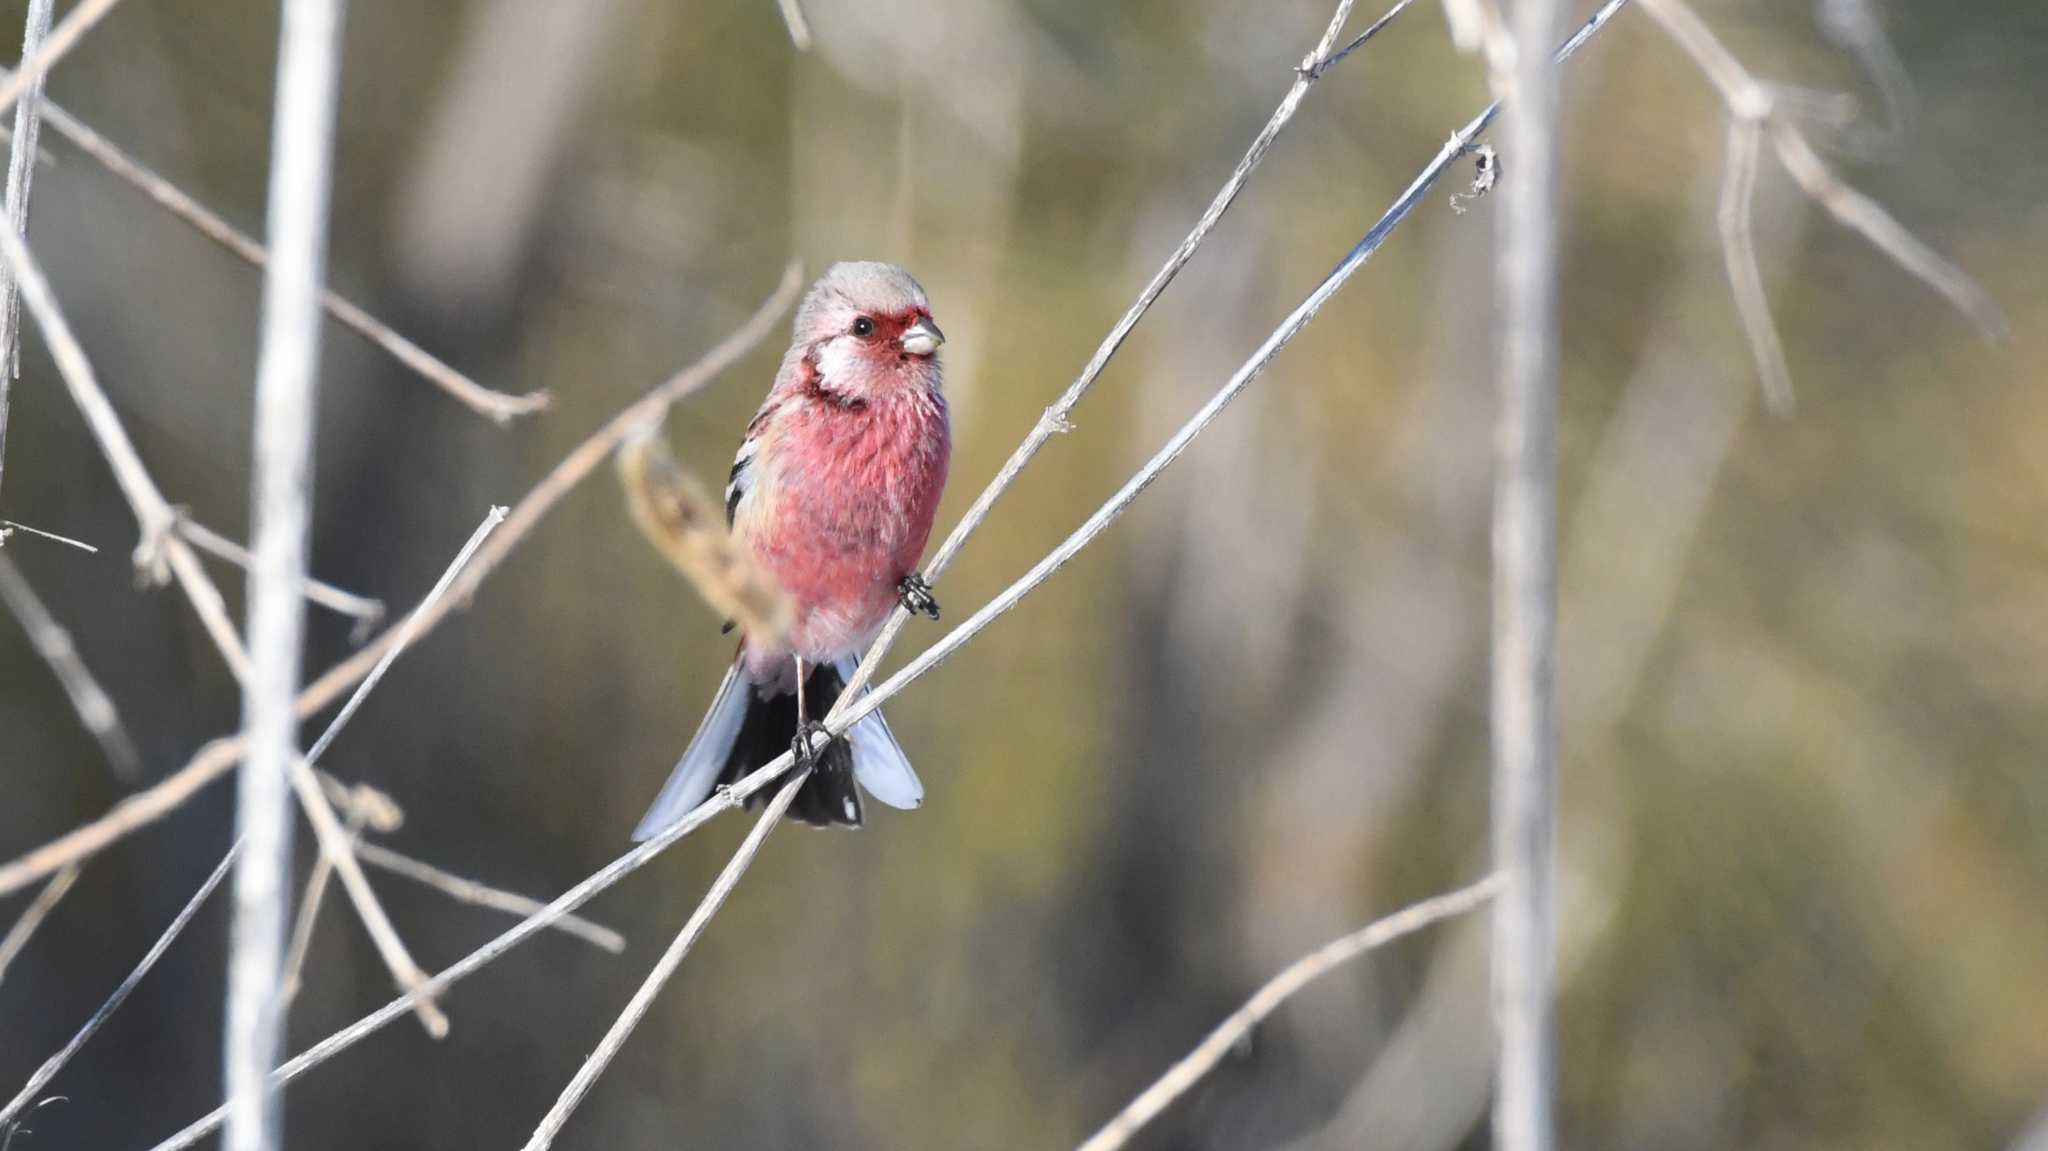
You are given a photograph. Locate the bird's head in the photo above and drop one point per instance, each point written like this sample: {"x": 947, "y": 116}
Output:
{"x": 866, "y": 330}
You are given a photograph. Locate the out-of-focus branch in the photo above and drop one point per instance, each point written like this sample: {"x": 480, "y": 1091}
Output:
{"x": 21, "y": 169}
{"x": 664, "y": 968}
{"x": 1054, "y": 419}
{"x": 281, "y": 498}
{"x": 363, "y": 609}
{"x": 1756, "y": 111}
{"x": 469, "y": 891}
{"x": 11, "y": 1113}
{"x": 1267, "y": 999}
{"x": 221, "y": 755}
{"x": 61, "y": 41}
{"x": 499, "y": 407}
{"x": 684, "y": 524}
{"x": 799, "y": 26}
{"x": 160, "y": 548}
{"x": 94, "y": 707}
{"x": 731, "y": 798}
{"x": 32, "y": 917}
{"x": 315, "y": 897}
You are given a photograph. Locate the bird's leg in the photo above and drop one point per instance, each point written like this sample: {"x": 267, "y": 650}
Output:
{"x": 800, "y": 744}
{"x": 916, "y": 595}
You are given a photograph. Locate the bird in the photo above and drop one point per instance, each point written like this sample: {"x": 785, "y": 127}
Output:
{"x": 833, "y": 492}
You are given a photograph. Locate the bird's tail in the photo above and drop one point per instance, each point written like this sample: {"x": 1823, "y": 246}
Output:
{"x": 745, "y": 730}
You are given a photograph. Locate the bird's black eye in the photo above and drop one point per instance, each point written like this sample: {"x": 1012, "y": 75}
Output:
{"x": 863, "y": 327}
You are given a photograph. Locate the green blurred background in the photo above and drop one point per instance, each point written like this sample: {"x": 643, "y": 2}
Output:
{"x": 1803, "y": 666}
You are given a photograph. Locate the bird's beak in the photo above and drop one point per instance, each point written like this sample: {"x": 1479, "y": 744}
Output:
{"x": 922, "y": 338}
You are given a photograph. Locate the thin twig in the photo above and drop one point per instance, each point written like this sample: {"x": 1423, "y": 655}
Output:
{"x": 12, "y": 1112}
{"x": 1525, "y": 591}
{"x": 500, "y": 407}
{"x": 1054, "y": 420}
{"x": 1755, "y": 110}
{"x": 61, "y": 40}
{"x": 643, "y": 999}
{"x": 317, "y": 883}
{"x": 731, "y": 798}
{"x": 94, "y": 707}
{"x": 9, "y": 527}
{"x": 1278, "y": 990}
{"x": 32, "y": 917}
{"x": 361, "y": 608}
{"x": 287, "y": 374}
{"x": 1738, "y": 250}
{"x": 220, "y": 756}
{"x": 21, "y": 170}
{"x": 799, "y": 27}
{"x": 160, "y": 547}
{"x": 464, "y": 890}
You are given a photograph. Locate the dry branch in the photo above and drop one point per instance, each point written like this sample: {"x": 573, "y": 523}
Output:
{"x": 499, "y": 407}
{"x": 221, "y": 755}
{"x": 730, "y": 798}
{"x": 32, "y": 917}
{"x": 1757, "y": 110}
{"x": 21, "y": 170}
{"x": 11, "y": 1113}
{"x": 281, "y": 499}
{"x": 1278, "y": 990}
{"x": 363, "y": 609}
{"x": 643, "y": 999}
{"x": 799, "y": 27}
{"x": 1525, "y": 586}
{"x": 686, "y": 525}
{"x": 94, "y": 707}
{"x": 464, "y": 890}
{"x": 61, "y": 41}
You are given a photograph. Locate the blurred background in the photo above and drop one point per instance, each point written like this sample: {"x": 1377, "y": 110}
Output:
{"x": 1803, "y": 667}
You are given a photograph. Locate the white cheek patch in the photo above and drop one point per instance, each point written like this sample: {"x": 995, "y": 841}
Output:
{"x": 838, "y": 362}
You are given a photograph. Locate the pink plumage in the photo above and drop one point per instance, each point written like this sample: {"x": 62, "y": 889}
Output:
{"x": 833, "y": 491}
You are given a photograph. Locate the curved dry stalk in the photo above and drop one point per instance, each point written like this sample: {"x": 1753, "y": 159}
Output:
{"x": 32, "y": 917}
{"x": 643, "y": 999}
{"x": 500, "y": 408}
{"x": 1276, "y": 991}
{"x": 11, "y": 1113}
{"x": 221, "y": 755}
{"x": 685, "y": 524}
{"x": 1756, "y": 110}
{"x": 50, "y": 639}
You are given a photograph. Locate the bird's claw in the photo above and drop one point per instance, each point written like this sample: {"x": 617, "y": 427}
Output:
{"x": 916, "y": 596}
{"x": 800, "y": 746}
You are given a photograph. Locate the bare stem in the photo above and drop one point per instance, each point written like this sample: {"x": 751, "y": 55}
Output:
{"x": 643, "y": 999}
{"x": 21, "y": 170}
{"x": 464, "y": 890}
{"x": 1525, "y": 593}
{"x": 799, "y": 26}
{"x": 55, "y": 1063}
{"x": 1278, "y": 990}
{"x": 94, "y": 707}
{"x": 287, "y": 370}
{"x": 32, "y": 917}
{"x": 499, "y": 407}
{"x": 360, "y": 608}
{"x": 221, "y": 755}
{"x": 60, "y": 42}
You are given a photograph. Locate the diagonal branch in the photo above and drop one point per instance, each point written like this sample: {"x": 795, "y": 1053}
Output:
{"x": 50, "y": 639}
{"x": 11, "y": 1113}
{"x": 61, "y": 41}
{"x": 32, "y": 917}
{"x": 21, "y": 169}
{"x": 1757, "y": 110}
{"x": 500, "y": 407}
{"x": 364, "y": 610}
{"x": 220, "y": 756}
{"x": 1278, "y": 990}
{"x": 732, "y": 797}
{"x": 799, "y": 26}
{"x": 643, "y": 999}
{"x": 464, "y": 890}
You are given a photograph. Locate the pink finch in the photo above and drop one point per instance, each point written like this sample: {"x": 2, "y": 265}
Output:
{"x": 833, "y": 492}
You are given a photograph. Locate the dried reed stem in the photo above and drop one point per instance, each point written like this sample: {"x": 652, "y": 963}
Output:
{"x": 1267, "y": 999}
{"x": 50, "y": 639}
{"x": 465, "y": 890}
{"x": 32, "y": 917}
{"x": 11, "y": 1113}
{"x": 281, "y": 499}
{"x": 60, "y": 42}
{"x": 21, "y": 170}
{"x": 361, "y": 608}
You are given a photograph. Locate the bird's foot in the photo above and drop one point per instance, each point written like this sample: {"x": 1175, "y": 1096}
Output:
{"x": 916, "y": 596}
{"x": 801, "y": 746}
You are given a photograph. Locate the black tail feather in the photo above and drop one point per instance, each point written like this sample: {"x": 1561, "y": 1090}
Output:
{"x": 828, "y": 798}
